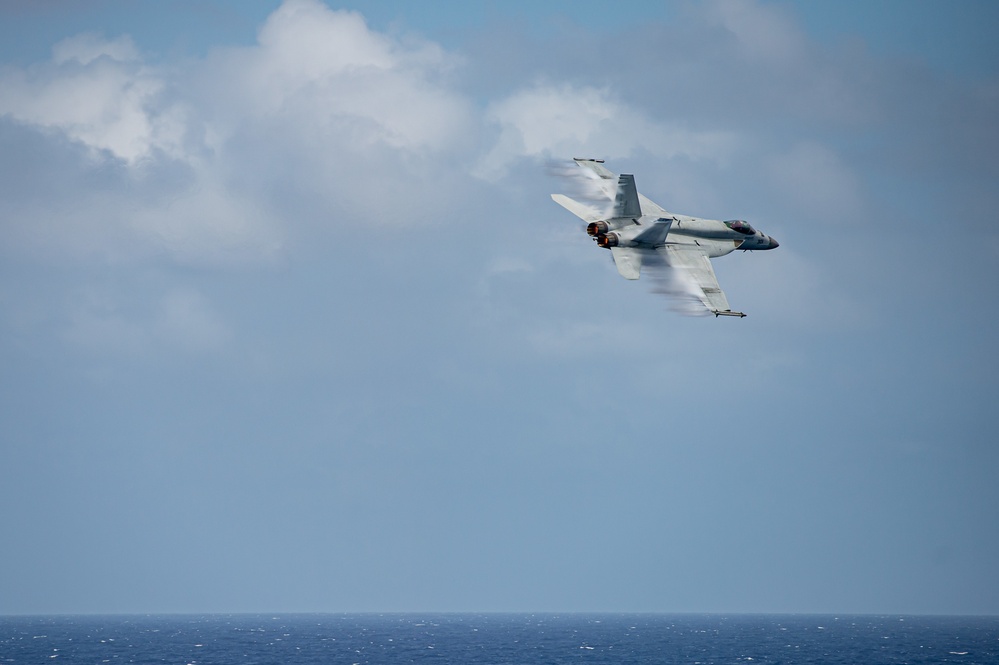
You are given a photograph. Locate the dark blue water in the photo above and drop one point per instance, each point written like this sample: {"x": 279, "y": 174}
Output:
{"x": 522, "y": 639}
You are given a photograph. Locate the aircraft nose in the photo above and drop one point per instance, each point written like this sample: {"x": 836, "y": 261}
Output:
{"x": 773, "y": 243}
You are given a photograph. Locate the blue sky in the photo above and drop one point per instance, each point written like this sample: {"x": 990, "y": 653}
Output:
{"x": 290, "y": 323}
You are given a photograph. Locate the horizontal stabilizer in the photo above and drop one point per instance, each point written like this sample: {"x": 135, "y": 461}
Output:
{"x": 655, "y": 234}
{"x": 628, "y": 261}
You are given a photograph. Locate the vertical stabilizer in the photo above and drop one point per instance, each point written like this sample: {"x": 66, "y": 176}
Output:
{"x": 626, "y": 199}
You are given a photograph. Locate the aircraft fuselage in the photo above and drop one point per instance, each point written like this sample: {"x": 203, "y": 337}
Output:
{"x": 722, "y": 237}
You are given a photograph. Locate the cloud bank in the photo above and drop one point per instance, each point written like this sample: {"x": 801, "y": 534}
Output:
{"x": 196, "y": 159}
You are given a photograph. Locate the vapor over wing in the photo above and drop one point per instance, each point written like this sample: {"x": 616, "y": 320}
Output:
{"x": 585, "y": 187}
{"x": 689, "y": 276}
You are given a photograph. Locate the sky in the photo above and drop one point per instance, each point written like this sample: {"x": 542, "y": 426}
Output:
{"x": 289, "y": 323}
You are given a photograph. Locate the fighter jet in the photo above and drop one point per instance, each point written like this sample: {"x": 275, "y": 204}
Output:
{"x": 675, "y": 248}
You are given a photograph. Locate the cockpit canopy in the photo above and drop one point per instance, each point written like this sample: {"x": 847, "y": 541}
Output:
{"x": 741, "y": 226}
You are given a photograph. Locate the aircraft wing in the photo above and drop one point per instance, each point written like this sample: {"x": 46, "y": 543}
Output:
{"x": 694, "y": 268}
{"x": 628, "y": 261}
{"x": 597, "y": 166}
{"x": 583, "y": 211}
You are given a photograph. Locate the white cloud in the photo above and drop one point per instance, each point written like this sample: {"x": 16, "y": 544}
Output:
{"x": 322, "y": 114}
{"x": 337, "y": 80}
{"x": 583, "y": 121}
{"x": 105, "y": 103}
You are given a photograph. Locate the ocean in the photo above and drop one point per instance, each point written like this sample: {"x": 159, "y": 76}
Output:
{"x": 517, "y": 639}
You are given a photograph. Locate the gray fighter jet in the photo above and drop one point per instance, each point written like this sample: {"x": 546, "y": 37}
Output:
{"x": 675, "y": 248}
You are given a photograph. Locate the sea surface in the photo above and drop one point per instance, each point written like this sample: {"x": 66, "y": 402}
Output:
{"x": 521, "y": 639}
